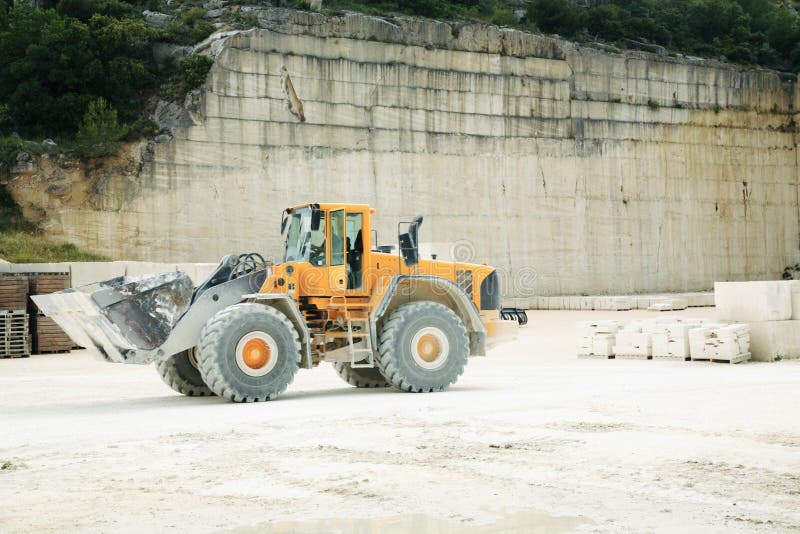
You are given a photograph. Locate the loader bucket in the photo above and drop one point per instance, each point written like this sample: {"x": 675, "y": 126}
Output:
{"x": 120, "y": 317}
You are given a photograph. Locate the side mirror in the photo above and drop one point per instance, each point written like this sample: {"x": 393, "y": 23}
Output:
{"x": 409, "y": 242}
{"x": 316, "y": 217}
{"x": 409, "y": 250}
{"x": 284, "y": 219}
{"x": 413, "y": 229}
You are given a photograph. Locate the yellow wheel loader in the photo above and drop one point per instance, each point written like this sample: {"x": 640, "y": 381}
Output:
{"x": 382, "y": 317}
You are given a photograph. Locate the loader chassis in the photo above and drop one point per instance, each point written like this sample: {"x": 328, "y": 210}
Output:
{"x": 381, "y": 318}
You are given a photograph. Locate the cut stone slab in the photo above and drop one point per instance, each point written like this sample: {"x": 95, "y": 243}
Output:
{"x": 774, "y": 340}
{"x": 668, "y": 304}
{"x": 146, "y": 268}
{"x": 753, "y": 301}
{"x": 89, "y": 272}
{"x": 794, "y": 288}
{"x": 622, "y": 303}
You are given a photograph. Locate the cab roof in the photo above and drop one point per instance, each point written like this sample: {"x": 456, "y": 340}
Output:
{"x": 326, "y": 206}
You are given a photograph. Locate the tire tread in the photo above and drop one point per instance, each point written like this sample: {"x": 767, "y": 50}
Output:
{"x": 388, "y": 333}
{"x": 209, "y": 367}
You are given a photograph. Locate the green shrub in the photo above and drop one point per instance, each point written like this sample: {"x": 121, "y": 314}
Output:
{"x": 100, "y": 131}
{"x": 193, "y": 15}
{"x": 200, "y": 32}
{"x": 9, "y": 148}
{"x": 142, "y": 127}
{"x": 194, "y": 69}
{"x": 555, "y": 16}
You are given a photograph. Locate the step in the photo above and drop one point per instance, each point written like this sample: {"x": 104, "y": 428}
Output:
{"x": 338, "y": 334}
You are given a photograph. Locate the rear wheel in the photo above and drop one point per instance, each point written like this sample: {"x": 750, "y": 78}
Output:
{"x": 248, "y": 352}
{"x": 423, "y": 347}
{"x": 180, "y": 372}
{"x": 360, "y": 377}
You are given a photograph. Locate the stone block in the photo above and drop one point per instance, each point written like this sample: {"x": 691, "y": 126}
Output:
{"x": 633, "y": 344}
{"x": 190, "y": 269}
{"x": 38, "y": 267}
{"x": 146, "y": 268}
{"x": 753, "y": 301}
{"x": 622, "y": 303}
{"x": 794, "y": 289}
{"x": 603, "y": 344}
{"x": 204, "y": 270}
{"x": 774, "y": 340}
{"x": 90, "y": 272}
{"x": 668, "y": 304}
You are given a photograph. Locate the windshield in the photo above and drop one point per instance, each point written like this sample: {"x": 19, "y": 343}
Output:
{"x": 303, "y": 244}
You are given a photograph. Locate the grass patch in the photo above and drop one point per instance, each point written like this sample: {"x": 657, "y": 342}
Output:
{"x": 27, "y": 247}
{"x": 22, "y": 242}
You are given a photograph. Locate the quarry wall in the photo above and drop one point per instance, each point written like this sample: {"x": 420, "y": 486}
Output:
{"x": 574, "y": 170}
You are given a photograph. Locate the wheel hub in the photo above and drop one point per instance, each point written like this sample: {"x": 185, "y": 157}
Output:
{"x": 430, "y": 348}
{"x": 256, "y": 353}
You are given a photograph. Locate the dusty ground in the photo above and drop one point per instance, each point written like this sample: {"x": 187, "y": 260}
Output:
{"x": 531, "y": 439}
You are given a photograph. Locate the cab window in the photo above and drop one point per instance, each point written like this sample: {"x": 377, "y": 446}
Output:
{"x": 337, "y": 237}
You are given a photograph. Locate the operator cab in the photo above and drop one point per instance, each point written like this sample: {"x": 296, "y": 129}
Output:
{"x": 328, "y": 236}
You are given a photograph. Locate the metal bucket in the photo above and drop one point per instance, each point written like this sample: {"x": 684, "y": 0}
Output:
{"x": 119, "y": 318}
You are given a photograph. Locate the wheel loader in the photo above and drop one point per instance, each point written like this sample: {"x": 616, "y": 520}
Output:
{"x": 383, "y": 317}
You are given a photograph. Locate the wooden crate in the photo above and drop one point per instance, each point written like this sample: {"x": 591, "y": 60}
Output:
{"x": 15, "y": 341}
{"x": 13, "y": 292}
{"x": 43, "y": 283}
{"x": 48, "y": 336}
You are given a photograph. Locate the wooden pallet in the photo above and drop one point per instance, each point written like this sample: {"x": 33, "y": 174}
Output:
{"x": 44, "y": 283}
{"x": 13, "y": 292}
{"x": 48, "y": 336}
{"x": 595, "y": 357}
{"x": 736, "y": 359}
{"x": 633, "y": 357}
{"x": 15, "y": 339}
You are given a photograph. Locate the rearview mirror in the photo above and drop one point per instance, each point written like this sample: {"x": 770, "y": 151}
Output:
{"x": 409, "y": 242}
{"x": 413, "y": 229}
{"x": 316, "y": 216}
{"x": 284, "y": 218}
{"x": 409, "y": 250}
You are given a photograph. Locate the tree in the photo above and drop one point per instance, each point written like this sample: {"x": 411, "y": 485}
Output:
{"x": 194, "y": 69}
{"x": 99, "y": 130}
{"x": 555, "y": 16}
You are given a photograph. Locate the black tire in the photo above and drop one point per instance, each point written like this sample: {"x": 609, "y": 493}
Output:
{"x": 360, "y": 377}
{"x": 217, "y": 353}
{"x": 179, "y": 373}
{"x": 397, "y": 361}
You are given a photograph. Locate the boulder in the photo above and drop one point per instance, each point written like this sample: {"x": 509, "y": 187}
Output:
{"x": 171, "y": 116}
{"x": 156, "y": 19}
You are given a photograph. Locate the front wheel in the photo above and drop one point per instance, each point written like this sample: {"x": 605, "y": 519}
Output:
{"x": 360, "y": 377}
{"x": 180, "y": 372}
{"x": 248, "y": 352}
{"x": 423, "y": 347}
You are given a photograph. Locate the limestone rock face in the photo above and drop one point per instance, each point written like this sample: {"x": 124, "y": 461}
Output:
{"x": 157, "y": 19}
{"x": 170, "y": 116}
{"x": 572, "y": 169}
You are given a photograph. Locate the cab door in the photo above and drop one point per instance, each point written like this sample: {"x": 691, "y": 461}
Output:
{"x": 337, "y": 270}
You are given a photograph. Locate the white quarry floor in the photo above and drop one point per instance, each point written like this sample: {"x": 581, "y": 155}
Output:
{"x": 530, "y": 440}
